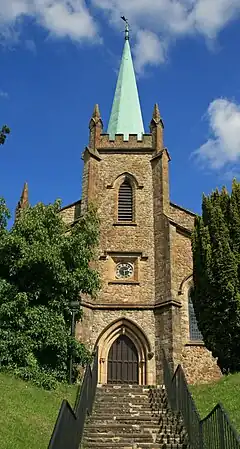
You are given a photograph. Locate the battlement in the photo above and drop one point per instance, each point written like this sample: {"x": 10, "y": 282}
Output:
{"x": 120, "y": 142}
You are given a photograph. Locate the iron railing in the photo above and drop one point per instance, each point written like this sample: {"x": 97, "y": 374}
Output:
{"x": 68, "y": 430}
{"x": 218, "y": 432}
{"x": 215, "y": 431}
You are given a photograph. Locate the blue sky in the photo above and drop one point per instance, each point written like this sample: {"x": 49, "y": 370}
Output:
{"x": 58, "y": 58}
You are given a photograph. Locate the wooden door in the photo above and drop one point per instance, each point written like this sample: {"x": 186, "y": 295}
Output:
{"x": 123, "y": 362}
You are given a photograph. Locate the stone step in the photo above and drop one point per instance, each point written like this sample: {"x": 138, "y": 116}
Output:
{"x": 116, "y": 427}
{"x": 151, "y": 427}
{"x": 134, "y": 446}
{"x": 126, "y": 429}
{"x": 126, "y": 411}
{"x": 132, "y": 438}
{"x": 131, "y": 400}
{"x": 126, "y": 385}
{"x": 125, "y": 392}
{"x": 121, "y": 407}
{"x": 123, "y": 404}
{"x": 129, "y": 438}
{"x": 132, "y": 417}
{"x": 130, "y": 386}
{"x": 131, "y": 412}
{"x": 122, "y": 399}
{"x": 135, "y": 437}
{"x": 145, "y": 419}
{"x": 109, "y": 391}
{"x": 122, "y": 391}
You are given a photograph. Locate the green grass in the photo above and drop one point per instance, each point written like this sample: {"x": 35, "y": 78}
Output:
{"x": 226, "y": 391}
{"x": 28, "y": 413}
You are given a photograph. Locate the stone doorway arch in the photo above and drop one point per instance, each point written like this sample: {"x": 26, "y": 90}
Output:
{"x": 110, "y": 334}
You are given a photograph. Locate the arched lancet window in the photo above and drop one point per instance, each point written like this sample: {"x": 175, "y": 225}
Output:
{"x": 194, "y": 332}
{"x": 125, "y": 202}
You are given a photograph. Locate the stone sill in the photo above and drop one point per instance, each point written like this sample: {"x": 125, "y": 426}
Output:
{"x": 124, "y": 223}
{"x": 195, "y": 343}
{"x": 125, "y": 282}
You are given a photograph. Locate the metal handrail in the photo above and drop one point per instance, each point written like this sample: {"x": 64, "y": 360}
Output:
{"x": 215, "y": 431}
{"x": 69, "y": 426}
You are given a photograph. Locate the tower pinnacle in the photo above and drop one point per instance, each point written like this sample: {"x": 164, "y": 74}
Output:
{"x": 96, "y": 112}
{"x": 23, "y": 202}
{"x": 156, "y": 114}
{"x": 126, "y": 115}
{"x": 95, "y": 127}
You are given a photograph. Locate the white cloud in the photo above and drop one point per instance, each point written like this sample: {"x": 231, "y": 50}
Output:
{"x": 67, "y": 18}
{"x": 223, "y": 147}
{"x": 61, "y": 18}
{"x": 166, "y": 20}
{"x": 210, "y": 16}
{"x": 153, "y": 24}
{"x": 148, "y": 50}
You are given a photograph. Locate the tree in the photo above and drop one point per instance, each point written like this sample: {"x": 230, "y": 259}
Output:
{"x": 4, "y": 216}
{"x": 44, "y": 265}
{"x": 3, "y": 134}
{"x": 216, "y": 274}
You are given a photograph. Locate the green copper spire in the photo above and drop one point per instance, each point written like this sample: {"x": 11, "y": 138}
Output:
{"x": 126, "y": 116}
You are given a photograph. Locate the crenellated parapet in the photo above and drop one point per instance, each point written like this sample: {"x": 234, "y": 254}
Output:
{"x": 98, "y": 140}
{"x": 133, "y": 141}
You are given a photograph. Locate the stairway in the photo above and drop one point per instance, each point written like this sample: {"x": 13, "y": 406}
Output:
{"x": 133, "y": 416}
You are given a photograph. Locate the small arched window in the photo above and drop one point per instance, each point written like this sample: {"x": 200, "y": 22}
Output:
{"x": 194, "y": 332}
{"x": 125, "y": 202}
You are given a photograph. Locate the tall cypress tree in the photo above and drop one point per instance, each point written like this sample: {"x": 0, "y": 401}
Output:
{"x": 216, "y": 263}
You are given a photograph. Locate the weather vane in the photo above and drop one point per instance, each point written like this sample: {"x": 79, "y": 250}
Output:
{"x": 126, "y": 28}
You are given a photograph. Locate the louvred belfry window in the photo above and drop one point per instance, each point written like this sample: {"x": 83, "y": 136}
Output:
{"x": 125, "y": 202}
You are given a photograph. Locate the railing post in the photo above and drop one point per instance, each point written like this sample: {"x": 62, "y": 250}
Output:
{"x": 221, "y": 429}
{"x": 201, "y": 441}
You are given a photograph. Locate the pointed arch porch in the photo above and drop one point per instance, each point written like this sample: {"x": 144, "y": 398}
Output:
{"x": 110, "y": 334}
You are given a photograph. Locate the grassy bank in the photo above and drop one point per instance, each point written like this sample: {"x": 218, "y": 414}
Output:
{"x": 28, "y": 413}
{"x": 226, "y": 391}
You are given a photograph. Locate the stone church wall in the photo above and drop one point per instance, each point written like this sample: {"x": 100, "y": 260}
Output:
{"x": 71, "y": 213}
{"x": 199, "y": 365}
{"x": 96, "y": 321}
{"x": 181, "y": 216}
{"x": 126, "y": 240}
{"x": 197, "y": 361}
{"x": 181, "y": 260}
{"x": 167, "y": 324}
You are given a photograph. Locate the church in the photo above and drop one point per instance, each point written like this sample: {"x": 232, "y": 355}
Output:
{"x": 144, "y": 257}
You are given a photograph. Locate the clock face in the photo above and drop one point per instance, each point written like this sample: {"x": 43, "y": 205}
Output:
{"x": 124, "y": 270}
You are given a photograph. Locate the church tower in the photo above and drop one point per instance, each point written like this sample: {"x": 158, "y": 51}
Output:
{"x": 145, "y": 259}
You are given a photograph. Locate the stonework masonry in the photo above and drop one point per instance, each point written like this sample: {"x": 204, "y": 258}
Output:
{"x": 71, "y": 212}
{"x": 151, "y": 306}
{"x": 98, "y": 320}
{"x": 199, "y": 365}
